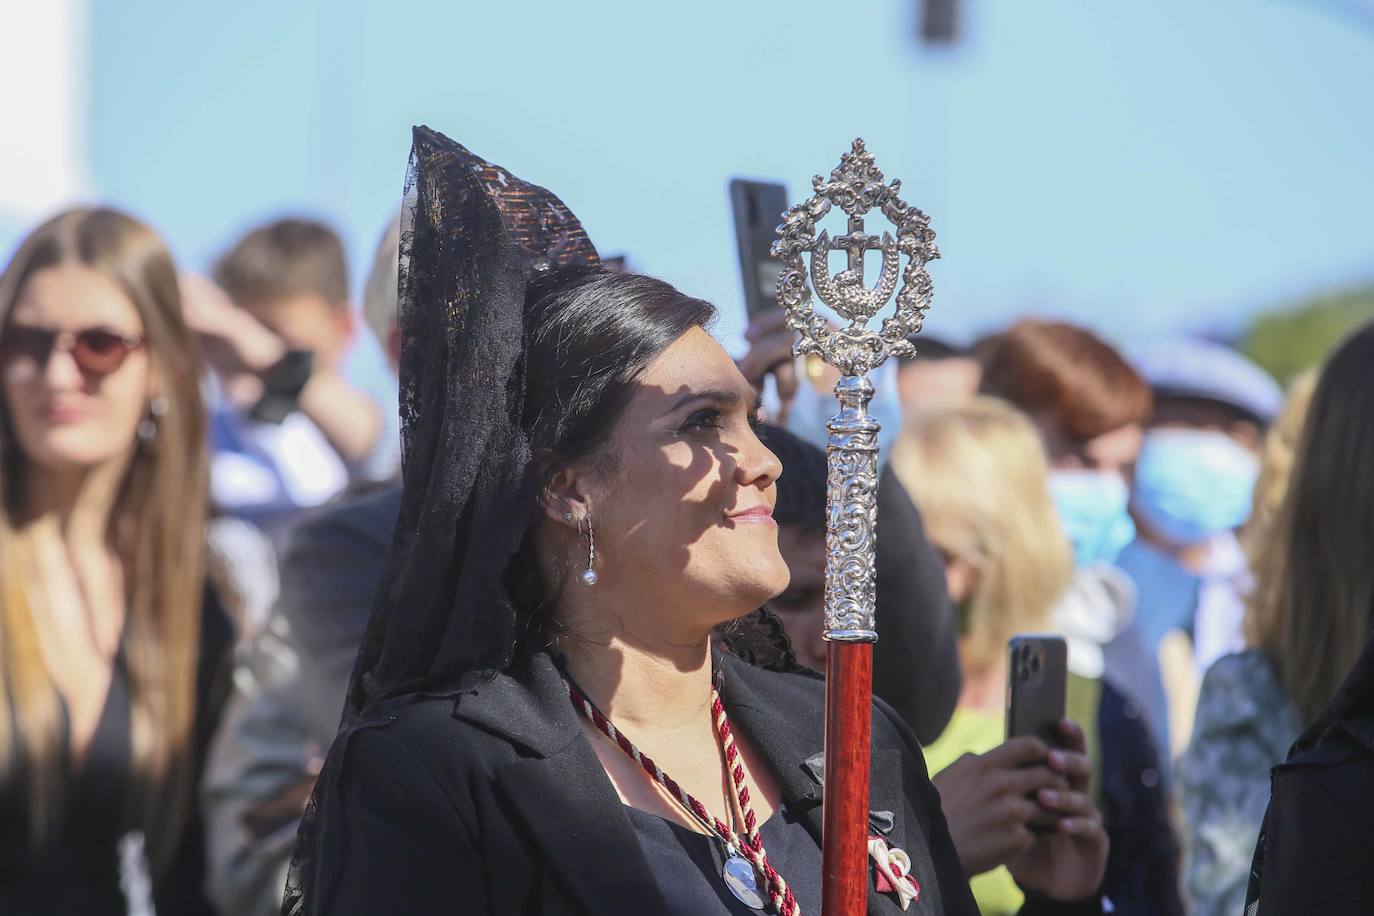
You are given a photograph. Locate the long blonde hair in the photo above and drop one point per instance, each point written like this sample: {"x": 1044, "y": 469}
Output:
{"x": 977, "y": 472}
{"x": 156, "y": 527}
{"x": 1312, "y": 610}
{"x": 1276, "y": 468}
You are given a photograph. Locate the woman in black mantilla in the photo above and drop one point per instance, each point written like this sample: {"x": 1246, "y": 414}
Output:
{"x": 586, "y": 503}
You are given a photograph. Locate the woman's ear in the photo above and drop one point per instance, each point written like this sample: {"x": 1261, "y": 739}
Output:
{"x": 564, "y": 501}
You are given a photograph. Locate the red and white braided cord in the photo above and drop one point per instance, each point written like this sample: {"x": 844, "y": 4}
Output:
{"x": 751, "y": 848}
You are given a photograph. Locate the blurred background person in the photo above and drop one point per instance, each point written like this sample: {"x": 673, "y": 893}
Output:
{"x": 307, "y": 402}
{"x": 979, "y": 475}
{"x": 1192, "y": 489}
{"x": 916, "y": 663}
{"x": 113, "y": 650}
{"x": 943, "y": 371}
{"x": 1311, "y": 621}
{"x": 1281, "y": 442}
{"x": 1089, "y": 406}
{"x": 802, "y": 398}
{"x": 289, "y": 688}
{"x": 379, "y": 304}
{"x": 1246, "y": 717}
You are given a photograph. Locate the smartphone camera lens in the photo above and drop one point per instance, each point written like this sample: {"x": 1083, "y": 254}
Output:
{"x": 1021, "y": 664}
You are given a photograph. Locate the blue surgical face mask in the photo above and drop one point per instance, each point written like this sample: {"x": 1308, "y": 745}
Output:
{"x": 1191, "y": 484}
{"x": 1092, "y": 508}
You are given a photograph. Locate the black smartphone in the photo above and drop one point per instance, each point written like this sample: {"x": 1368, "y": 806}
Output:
{"x": 1037, "y": 684}
{"x": 758, "y": 208}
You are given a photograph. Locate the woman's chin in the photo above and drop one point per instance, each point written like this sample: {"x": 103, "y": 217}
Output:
{"x": 768, "y": 580}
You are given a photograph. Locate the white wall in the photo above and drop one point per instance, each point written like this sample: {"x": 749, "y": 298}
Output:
{"x": 43, "y": 73}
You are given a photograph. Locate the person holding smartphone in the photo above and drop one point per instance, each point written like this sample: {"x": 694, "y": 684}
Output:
{"x": 997, "y": 804}
{"x": 977, "y": 472}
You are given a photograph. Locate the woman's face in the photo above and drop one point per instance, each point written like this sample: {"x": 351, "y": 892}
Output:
{"x": 683, "y": 510}
{"x": 66, "y": 418}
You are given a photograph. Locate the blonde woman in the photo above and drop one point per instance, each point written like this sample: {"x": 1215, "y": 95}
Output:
{"x": 1247, "y": 718}
{"x": 107, "y": 652}
{"x": 978, "y": 472}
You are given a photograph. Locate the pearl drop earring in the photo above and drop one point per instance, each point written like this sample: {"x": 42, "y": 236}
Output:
{"x": 589, "y": 576}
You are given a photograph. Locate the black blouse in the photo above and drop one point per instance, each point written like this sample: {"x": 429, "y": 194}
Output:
{"x": 82, "y": 874}
{"x": 79, "y": 870}
{"x": 687, "y": 865}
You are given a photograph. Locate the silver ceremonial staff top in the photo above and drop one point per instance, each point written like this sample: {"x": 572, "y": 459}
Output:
{"x": 856, "y": 186}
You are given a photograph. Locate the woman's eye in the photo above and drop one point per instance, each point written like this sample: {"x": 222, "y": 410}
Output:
{"x": 703, "y": 419}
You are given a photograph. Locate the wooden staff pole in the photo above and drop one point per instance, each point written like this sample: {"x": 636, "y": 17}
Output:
{"x": 848, "y": 696}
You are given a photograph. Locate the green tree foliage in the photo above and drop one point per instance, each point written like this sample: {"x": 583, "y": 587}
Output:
{"x": 1289, "y": 340}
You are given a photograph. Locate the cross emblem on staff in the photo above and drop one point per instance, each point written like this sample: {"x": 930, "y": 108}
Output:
{"x": 855, "y": 242}
{"x": 846, "y": 292}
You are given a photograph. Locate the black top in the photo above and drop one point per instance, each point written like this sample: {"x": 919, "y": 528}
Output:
{"x": 82, "y": 874}
{"x": 79, "y": 870}
{"x": 1143, "y": 863}
{"x": 686, "y": 865}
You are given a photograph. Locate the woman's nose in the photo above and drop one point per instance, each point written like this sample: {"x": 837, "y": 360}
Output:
{"x": 61, "y": 371}
{"x": 759, "y": 467}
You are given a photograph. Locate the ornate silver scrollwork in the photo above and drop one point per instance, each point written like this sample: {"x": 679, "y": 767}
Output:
{"x": 856, "y": 186}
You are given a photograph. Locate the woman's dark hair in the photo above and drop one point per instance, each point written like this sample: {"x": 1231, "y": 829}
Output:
{"x": 801, "y": 488}
{"x": 591, "y": 333}
{"x": 1313, "y": 611}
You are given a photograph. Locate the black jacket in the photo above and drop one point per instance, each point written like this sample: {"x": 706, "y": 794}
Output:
{"x": 1315, "y": 852}
{"x": 1317, "y": 846}
{"x": 497, "y": 804}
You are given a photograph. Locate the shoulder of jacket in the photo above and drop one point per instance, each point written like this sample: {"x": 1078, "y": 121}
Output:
{"x": 428, "y": 731}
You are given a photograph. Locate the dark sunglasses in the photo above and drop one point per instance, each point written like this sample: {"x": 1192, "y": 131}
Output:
{"x": 96, "y": 351}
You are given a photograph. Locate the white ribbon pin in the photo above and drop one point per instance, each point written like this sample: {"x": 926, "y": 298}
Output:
{"x": 894, "y": 871}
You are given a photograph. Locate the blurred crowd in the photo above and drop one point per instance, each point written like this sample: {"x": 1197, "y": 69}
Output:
{"x": 199, "y": 476}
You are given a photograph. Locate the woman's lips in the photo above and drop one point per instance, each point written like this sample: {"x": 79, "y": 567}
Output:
{"x": 756, "y": 515}
{"x": 62, "y": 414}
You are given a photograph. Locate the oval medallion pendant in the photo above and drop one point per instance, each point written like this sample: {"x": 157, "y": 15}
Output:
{"x": 743, "y": 882}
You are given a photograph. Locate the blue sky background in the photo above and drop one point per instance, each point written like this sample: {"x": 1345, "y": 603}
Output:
{"x": 1144, "y": 167}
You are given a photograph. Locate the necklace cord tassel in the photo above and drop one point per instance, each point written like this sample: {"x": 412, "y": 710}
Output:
{"x": 780, "y": 896}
